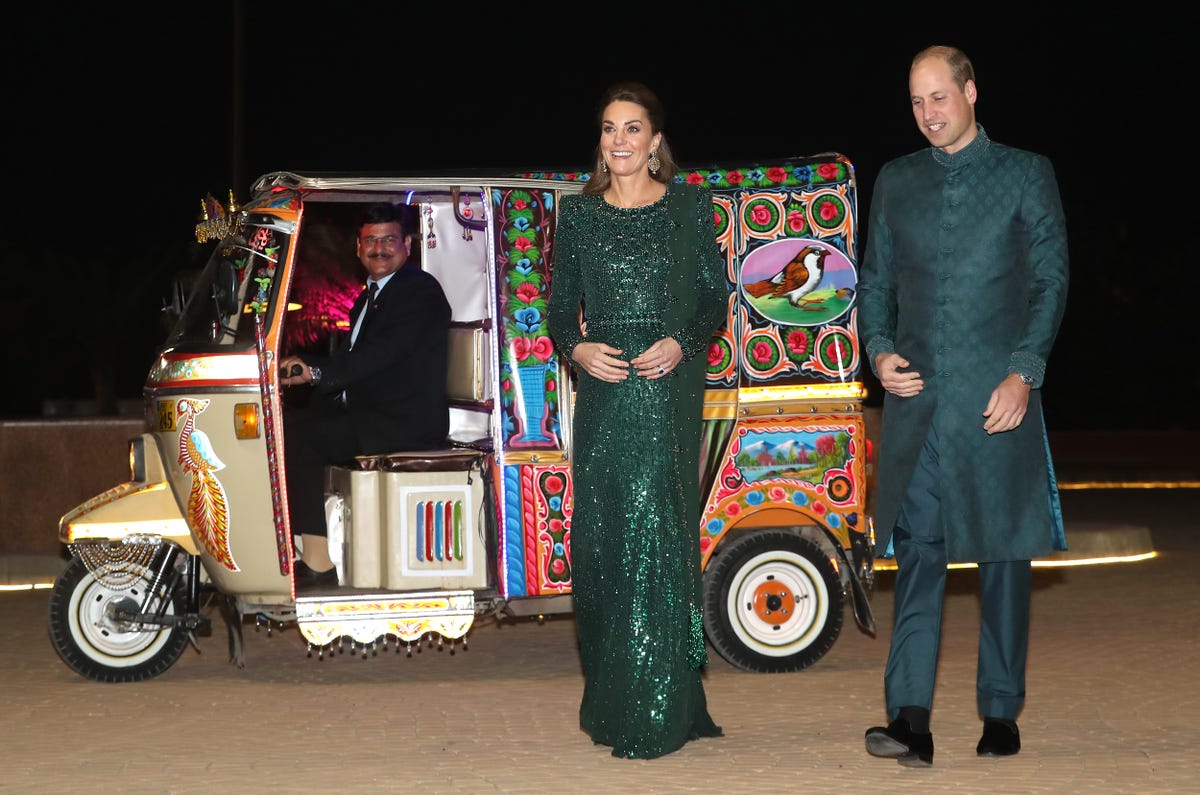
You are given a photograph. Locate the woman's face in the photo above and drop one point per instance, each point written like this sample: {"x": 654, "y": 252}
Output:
{"x": 626, "y": 140}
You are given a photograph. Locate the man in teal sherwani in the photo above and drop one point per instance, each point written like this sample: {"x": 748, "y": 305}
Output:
{"x": 963, "y": 288}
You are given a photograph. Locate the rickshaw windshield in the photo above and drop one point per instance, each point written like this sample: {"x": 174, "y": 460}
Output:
{"x": 237, "y": 283}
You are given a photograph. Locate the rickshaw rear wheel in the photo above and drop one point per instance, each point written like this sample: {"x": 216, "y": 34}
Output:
{"x": 93, "y": 639}
{"x": 773, "y": 602}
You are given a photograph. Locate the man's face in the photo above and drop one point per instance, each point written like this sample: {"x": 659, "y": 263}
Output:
{"x": 944, "y": 113}
{"x": 382, "y": 248}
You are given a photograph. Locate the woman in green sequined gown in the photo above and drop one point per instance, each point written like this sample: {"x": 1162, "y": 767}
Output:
{"x": 636, "y": 252}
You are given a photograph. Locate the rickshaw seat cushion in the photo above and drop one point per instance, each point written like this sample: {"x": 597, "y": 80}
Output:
{"x": 450, "y": 459}
{"x": 468, "y": 374}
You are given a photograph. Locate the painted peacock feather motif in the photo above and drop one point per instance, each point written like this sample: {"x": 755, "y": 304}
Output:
{"x": 207, "y": 507}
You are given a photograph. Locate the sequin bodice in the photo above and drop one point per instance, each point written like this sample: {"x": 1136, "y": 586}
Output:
{"x": 626, "y": 288}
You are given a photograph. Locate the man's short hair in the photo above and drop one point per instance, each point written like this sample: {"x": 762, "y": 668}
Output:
{"x": 387, "y": 213}
{"x": 960, "y": 65}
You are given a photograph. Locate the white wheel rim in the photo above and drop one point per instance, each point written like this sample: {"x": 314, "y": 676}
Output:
{"x": 100, "y": 637}
{"x": 800, "y": 618}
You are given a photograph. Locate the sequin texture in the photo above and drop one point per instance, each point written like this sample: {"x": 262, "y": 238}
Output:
{"x": 634, "y": 543}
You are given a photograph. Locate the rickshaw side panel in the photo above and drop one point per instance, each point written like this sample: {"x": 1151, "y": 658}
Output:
{"x": 784, "y": 426}
{"x": 534, "y": 483}
{"x": 224, "y": 488}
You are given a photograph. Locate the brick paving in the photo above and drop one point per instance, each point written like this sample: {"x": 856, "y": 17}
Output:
{"x": 1113, "y": 705}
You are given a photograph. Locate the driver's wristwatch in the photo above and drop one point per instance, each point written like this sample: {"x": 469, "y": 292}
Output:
{"x": 315, "y": 372}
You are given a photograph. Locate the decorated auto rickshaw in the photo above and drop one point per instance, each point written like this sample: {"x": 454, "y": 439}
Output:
{"x": 427, "y": 543}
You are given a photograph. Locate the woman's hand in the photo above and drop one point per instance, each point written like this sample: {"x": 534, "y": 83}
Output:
{"x": 601, "y": 361}
{"x": 659, "y": 359}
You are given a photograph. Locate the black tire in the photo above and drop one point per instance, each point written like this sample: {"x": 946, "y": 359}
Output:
{"x": 95, "y": 644}
{"x": 773, "y": 602}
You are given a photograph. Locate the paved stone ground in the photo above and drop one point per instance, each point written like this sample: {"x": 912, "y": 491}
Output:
{"x": 1113, "y": 703}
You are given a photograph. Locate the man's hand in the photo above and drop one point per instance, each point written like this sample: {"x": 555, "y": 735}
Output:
{"x": 304, "y": 376}
{"x": 900, "y": 384}
{"x": 601, "y": 361}
{"x": 1007, "y": 406}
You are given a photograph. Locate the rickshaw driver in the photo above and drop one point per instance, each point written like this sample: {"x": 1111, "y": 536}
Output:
{"x": 382, "y": 390}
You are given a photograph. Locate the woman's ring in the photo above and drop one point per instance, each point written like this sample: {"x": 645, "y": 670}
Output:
{"x": 661, "y": 371}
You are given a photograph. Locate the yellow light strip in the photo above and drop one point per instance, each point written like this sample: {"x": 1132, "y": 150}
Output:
{"x": 1061, "y": 564}
{"x": 1047, "y": 563}
{"x": 1129, "y": 484}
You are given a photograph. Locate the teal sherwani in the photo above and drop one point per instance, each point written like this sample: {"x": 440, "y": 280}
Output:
{"x": 965, "y": 276}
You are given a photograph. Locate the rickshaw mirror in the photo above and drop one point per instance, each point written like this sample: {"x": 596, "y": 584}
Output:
{"x": 225, "y": 288}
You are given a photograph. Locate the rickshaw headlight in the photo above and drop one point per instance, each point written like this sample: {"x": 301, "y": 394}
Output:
{"x": 137, "y": 460}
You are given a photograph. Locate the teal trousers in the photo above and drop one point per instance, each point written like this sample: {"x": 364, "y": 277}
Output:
{"x": 1004, "y": 591}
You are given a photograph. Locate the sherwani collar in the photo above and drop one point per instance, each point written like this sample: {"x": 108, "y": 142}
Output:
{"x": 968, "y": 154}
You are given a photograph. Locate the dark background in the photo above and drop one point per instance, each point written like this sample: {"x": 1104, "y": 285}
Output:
{"x": 120, "y": 121}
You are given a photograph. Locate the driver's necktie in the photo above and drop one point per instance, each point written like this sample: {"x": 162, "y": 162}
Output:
{"x": 365, "y": 315}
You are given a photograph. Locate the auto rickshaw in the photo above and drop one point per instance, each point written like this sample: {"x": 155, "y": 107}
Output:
{"x": 426, "y": 543}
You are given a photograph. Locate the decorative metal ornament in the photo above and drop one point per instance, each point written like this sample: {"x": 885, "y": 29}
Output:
{"x": 467, "y": 212}
{"x": 604, "y": 165}
{"x": 654, "y": 163}
{"x": 119, "y": 565}
{"x": 430, "y": 236}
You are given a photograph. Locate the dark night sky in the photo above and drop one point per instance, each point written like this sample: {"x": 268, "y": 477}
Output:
{"x": 119, "y": 122}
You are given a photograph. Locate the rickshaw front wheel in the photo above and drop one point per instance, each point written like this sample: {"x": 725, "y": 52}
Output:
{"x": 773, "y": 602}
{"x": 92, "y": 635}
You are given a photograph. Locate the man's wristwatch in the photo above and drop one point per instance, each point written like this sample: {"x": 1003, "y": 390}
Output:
{"x": 315, "y": 372}
{"x": 1026, "y": 379}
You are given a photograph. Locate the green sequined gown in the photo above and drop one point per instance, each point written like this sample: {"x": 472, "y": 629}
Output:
{"x": 635, "y": 554}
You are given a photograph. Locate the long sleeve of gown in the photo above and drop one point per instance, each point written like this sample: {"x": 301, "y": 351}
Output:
{"x": 567, "y": 292}
{"x": 710, "y": 289}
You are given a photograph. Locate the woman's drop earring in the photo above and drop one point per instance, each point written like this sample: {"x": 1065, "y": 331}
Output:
{"x": 654, "y": 163}
{"x": 603, "y": 165}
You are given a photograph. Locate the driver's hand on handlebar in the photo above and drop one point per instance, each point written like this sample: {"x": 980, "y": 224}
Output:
{"x": 294, "y": 372}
